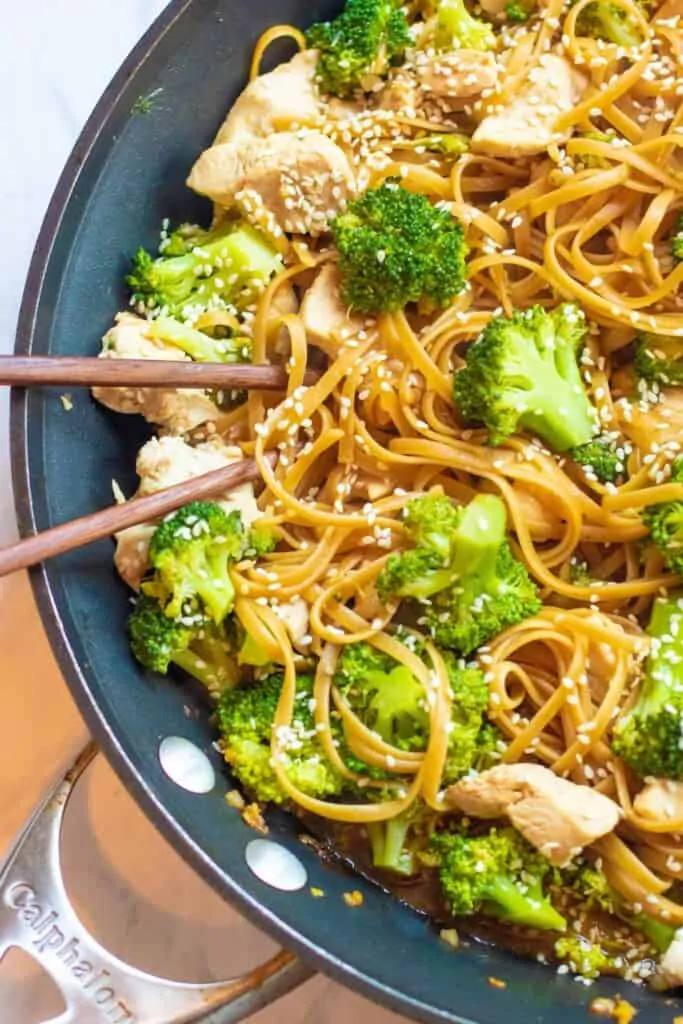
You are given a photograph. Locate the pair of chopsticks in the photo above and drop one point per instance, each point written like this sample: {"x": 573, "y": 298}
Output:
{"x": 29, "y": 371}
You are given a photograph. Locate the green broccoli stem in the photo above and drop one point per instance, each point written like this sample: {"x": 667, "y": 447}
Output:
{"x": 251, "y": 654}
{"x": 388, "y": 842}
{"x": 658, "y": 933}
{"x": 196, "y": 344}
{"x": 474, "y": 546}
{"x": 196, "y": 667}
{"x": 532, "y": 909}
{"x": 480, "y": 533}
{"x": 450, "y": 144}
{"x": 241, "y": 251}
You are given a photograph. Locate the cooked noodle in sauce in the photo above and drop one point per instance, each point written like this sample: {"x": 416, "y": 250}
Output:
{"x": 552, "y": 136}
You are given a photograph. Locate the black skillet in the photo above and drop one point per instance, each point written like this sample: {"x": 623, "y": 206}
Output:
{"x": 126, "y": 173}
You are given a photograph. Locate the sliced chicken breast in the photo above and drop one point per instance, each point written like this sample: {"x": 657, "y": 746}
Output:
{"x": 163, "y": 462}
{"x": 294, "y": 182}
{"x": 456, "y": 77}
{"x": 556, "y": 816}
{"x": 324, "y": 315}
{"x": 175, "y": 411}
{"x": 660, "y": 800}
{"x": 526, "y": 125}
{"x": 287, "y": 94}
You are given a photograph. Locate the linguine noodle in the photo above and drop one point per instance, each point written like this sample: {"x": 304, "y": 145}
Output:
{"x": 588, "y": 223}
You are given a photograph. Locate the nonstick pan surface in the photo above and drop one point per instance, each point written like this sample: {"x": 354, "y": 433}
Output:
{"x": 125, "y": 175}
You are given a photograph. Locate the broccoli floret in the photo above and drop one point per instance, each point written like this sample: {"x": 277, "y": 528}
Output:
{"x": 189, "y": 554}
{"x": 431, "y": 520}
{"x": 584, "y": 957}
{"x": 601, "y": 458}
{"x": 591, "y": 160}
{"x": 359, "y": 45}
{"x": 659, "y": 359}
{"x": 417, "y": 572}
{"x": 191, "y": 643}
{"x": 451, "y": 145}
{"x": 474, "y": 592}
{"x": 603, "y": 20}
{"x": 490, "y": 745}
{"x": 594, "y": 890}
{"x": 203, "y": 270}
{"x": 648, "y": 737}
{"x": 396, "y": 248}
{"x": 434, "y": 524}
{"x": 385, "y": 695}
{"x": 677, "y": 240}
{"x": 591, "y": 885}
{"x": 522, "y": 373}
{"x": 580, "y": 573}
{"x": 519, "y": 11}
{"x": 455, "y": 27}
{"x": 259, "y": 541}
{"x": 389, "y": 700}
{"x": 665, "y": 522}
{"x": 245, "y": 718}
{"x": 198, "y": 345}
{"x": 491, "y": 595}
{"x": 474, "y": 744}
{"x": 498, "y": 874}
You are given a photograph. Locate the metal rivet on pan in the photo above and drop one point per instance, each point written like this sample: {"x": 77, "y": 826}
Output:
{"x": 275, "y": 865}
{"x": 186, "y": 765}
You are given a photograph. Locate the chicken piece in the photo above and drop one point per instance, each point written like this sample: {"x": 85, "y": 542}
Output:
{"x": 669, "y": 973}
{"x": 544, "y": 523}
{"x": 131, "y": 557}
{"x": 556, "y": 816}
{"x": 284, "y": 302}
{"x": 324, "y": 315}
{"x": 176, "y": 411}
{"x": 291, "y": 181}
{"x": 660, "y": 800}
{"x": 368, "y": 487}
{"x": 163, "y": 462}
{"x": 651, "y": 425}
{"x": 294, "y": 614}
{"x": 456, "y": 77}
{"x": 493, "y": 8}
{"x": 271, "y": 101}
{"x": 344, "y": 110}
{"x": 526, "y": 125}
{"x": 400, "y": 95}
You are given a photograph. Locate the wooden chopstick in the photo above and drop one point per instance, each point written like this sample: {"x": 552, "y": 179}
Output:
{"x": 88, "y": 371}
{"x": 96, "y": 525}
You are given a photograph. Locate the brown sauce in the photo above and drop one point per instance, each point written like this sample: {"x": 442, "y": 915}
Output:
{"x": 347, "y": 845}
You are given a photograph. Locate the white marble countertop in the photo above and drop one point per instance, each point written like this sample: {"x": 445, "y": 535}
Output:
{"x": 129, "y": 885}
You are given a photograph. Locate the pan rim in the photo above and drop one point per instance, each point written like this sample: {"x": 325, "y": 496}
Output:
{"x": 48, "y": 607}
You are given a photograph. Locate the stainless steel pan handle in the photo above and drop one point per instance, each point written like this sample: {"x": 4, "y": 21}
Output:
{"x": 36, "y": 915}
